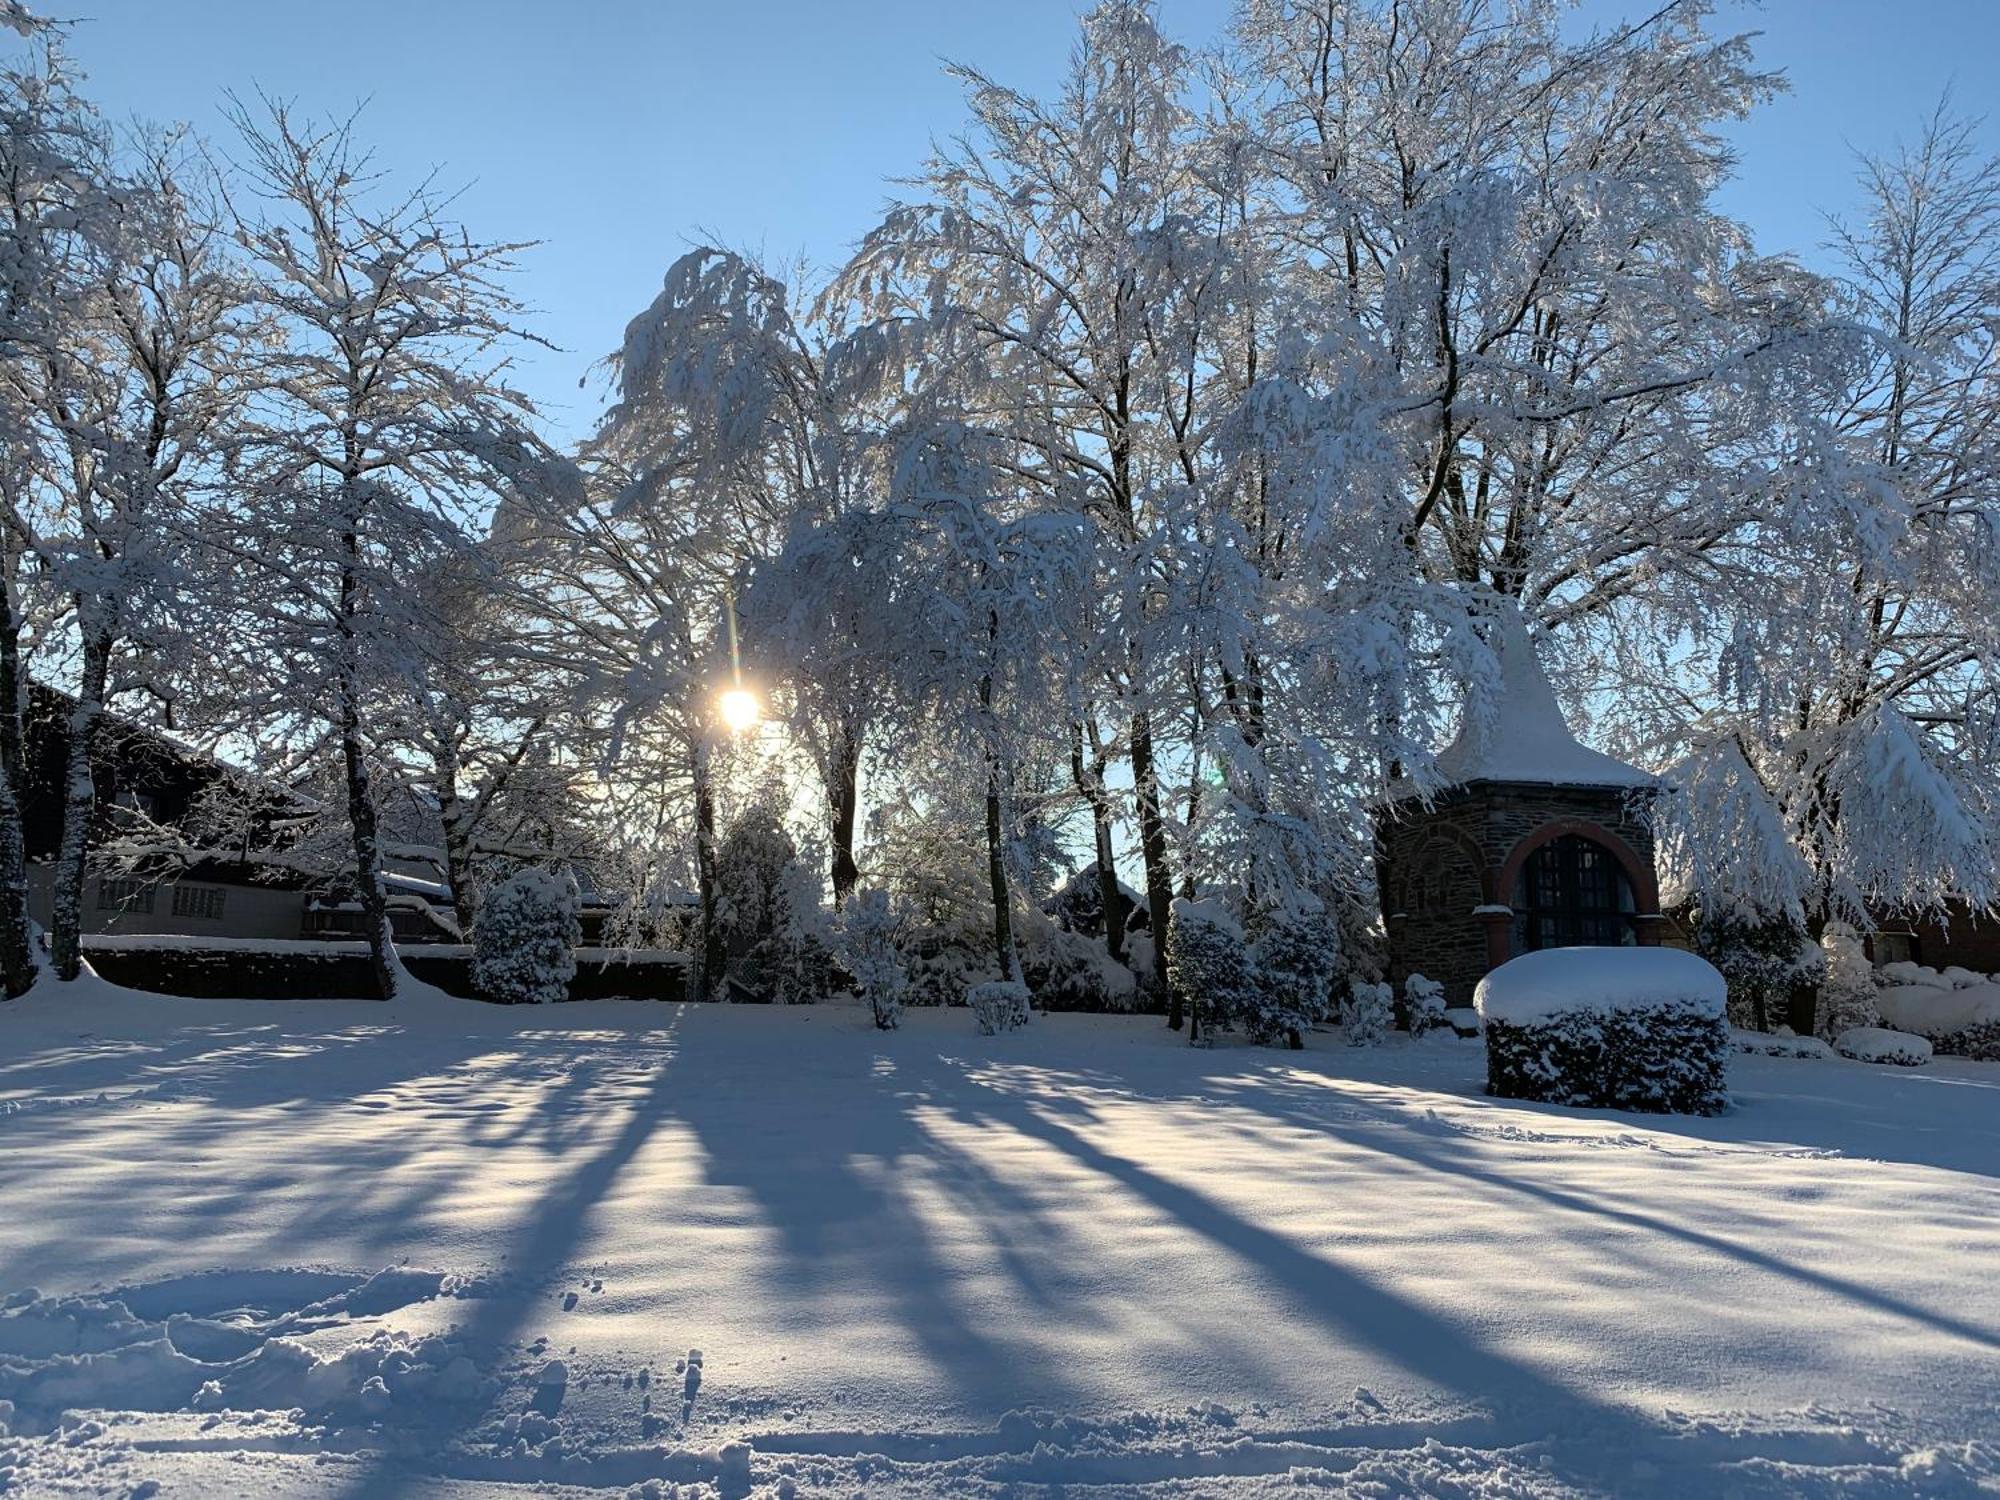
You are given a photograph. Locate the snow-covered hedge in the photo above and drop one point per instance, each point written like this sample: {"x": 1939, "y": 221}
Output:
{"x": 1617, "y": 1028}
{"x": 1878, "y": 1044}
{"x": 525, "y": 939}
{"x": 1957, "y": 1011}
{"x": 1001, "y": 1005}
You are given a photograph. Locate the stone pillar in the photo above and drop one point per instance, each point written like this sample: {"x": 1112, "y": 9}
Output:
{"x": 1646, "y": 929}
{"x": 1499, "y": 924}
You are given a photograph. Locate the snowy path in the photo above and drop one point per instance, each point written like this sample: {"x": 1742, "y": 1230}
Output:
{"x": 936, "y": 1263}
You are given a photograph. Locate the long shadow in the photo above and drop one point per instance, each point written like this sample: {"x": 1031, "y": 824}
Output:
{"x": 835, "y": 1187}
{"x": 547, "y": 1240}
{"x": 1591, "y": 1435}
{"x": 1405, "y": 1146}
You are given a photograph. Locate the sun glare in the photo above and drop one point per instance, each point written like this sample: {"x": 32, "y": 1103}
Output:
{"x": 740, "y": 710}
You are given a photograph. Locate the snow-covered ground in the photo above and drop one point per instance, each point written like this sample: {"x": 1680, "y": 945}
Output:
{"x": 331, "y": 1249}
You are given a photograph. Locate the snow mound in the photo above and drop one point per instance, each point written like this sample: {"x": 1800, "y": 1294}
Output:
{"x": 1562, "y": 981}
{"x": 1933, "y": 1011}
{"x": 1770, "y": 1044}
{"x": 1878, "y": 1044}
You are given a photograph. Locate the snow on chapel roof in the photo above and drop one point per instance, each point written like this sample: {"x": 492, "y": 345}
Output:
{"x": 1526, "y": 738}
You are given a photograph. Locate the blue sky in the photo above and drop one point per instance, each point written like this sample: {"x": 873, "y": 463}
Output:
{"x": 619, "y": 133}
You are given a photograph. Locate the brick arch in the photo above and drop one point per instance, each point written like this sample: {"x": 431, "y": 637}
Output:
{"x": 1645, "y": 886}
{"x": 1475, "y": 855}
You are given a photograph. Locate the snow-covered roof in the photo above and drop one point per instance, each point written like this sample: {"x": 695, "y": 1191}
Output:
{"x": 1526, "y": 737}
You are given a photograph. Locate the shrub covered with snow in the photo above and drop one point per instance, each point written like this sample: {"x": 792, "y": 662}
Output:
{"x": 1369, "y": 1014}
{"x": 1069, "y": 970}
{"x": 1618, "y": 1028}
{"x": 1292, "y": 965}
{"x": 999, "y": 1005}
{"x": 870, "y": 937}
{"x": 1958, "y": 1020}
{"x": 1878, "y": 1044}
{"x": 1423, "y": 1004}
{"x": 1764, "y": 960}
{"x": 1847, "y": 994}
{"x": 1778, "y": 1044}
{"x": 1208, "y": 964}
{"x": 525, "y": 938}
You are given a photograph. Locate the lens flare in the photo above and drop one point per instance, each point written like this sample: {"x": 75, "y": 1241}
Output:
{"x": 740, "y": 710}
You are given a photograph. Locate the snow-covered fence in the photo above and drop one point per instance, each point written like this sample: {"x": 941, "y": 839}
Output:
{"x": 275, "y": 969}
{"x": 1618, "y": 1028}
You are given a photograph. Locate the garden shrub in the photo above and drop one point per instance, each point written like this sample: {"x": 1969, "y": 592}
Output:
{"x": 1613, "y": 1028}
{"x": 525, "y": 938}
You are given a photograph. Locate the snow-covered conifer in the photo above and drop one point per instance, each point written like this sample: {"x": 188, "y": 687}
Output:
{"x": 1208, "y": 963}
{"x": 524, "y": 941}
{"x": 1423, "y": 1003}
{"x": 1294, "y": 957}
{"x": 1847, "y": 994}
{"x": 1368, "y": 1015}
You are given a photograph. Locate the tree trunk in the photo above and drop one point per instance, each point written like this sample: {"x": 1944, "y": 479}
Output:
{"x": 17, "y": 964}
{"x": 1090, "y": 782}
{"x": 846, "y": 800}
{"x": 367, "y": 847}
{"x": 996, "y": 874}
{"x": 361, "y": 819}
{"x": 79, "y": 803}
{"x": 1153, "y": 846}
{"x": 708, "y": 978}
{"x": 457, "y": 842}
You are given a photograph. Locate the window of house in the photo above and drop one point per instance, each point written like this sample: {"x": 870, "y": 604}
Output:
{"x": 198, "y": 901}
{"x": 124, "y": 894}
{"x": 1572, "y": 893}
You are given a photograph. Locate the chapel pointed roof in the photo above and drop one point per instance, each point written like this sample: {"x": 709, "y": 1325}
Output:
{"x": 1526, "y": 738}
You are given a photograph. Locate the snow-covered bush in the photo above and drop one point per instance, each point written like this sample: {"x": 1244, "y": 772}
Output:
{"x": 1423, "y": 1003}
{"x": 1617, "y": 1028}
{"x": 1764, "y": 960}
{"x": 1878, "y": 1044}
{"x": 1847, "y": 994}
{"x": 1067, "y": 970}
{"x": 1958, "y": 1021}
{"x": 1369, "y": 1014}
{"x": 525, "y": 938}
{"x": 1292, "y": 963}
{"x": 871, "y": 937}
{"x": 1208, "y": 967}
{"x": 767, "y": 907}
{"x": 998, "y": 1005}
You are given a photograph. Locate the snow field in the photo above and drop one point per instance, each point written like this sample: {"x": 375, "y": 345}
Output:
{"x": 320, "y": 1248}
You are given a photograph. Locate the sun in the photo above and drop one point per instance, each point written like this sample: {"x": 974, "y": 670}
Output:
{"x": 741, "y": 710}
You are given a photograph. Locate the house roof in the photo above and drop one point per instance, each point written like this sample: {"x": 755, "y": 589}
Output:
{"x": 1526, "y": 738}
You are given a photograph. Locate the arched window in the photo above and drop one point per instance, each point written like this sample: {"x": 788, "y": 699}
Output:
{"x": 1572, "y": 893}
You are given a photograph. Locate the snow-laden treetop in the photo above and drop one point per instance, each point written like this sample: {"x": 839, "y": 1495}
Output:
{"x": 1524, "y": 736}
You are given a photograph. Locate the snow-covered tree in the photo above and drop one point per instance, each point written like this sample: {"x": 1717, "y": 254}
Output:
{"x": 524, "y": 943}
{"x": 1295, "y": 955}
{"x": 1368, "y": 1015}
{"x": 870, "y": 939}
{"x": 1847, "y": 994}
{"x": 1208, "y": 963}
{"x": 383, "y": 428}
{"x": 1423, "y": 1003}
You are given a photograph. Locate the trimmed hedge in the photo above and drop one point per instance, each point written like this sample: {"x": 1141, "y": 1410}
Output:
{"x": 275, "y": 970}
{"x": 1668, "y": 1058}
